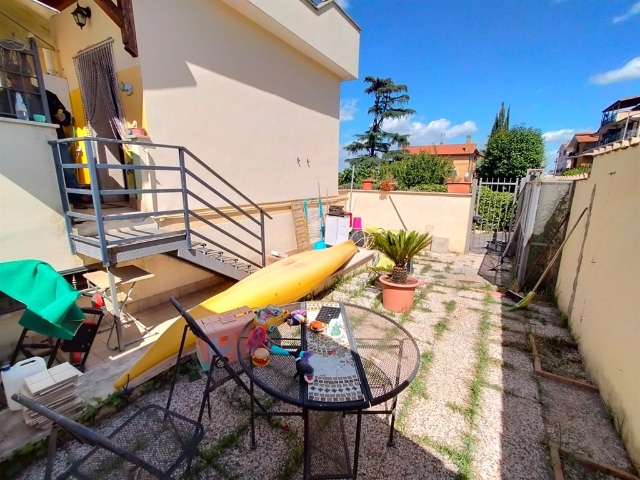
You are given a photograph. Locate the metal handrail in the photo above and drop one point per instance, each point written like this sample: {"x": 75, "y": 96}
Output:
{"x": 97, "y": 192}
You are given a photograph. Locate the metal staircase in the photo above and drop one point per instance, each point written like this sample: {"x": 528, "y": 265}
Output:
{"x": 115, "y": 238}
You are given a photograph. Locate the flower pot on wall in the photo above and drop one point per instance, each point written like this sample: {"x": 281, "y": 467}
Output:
{"x": 367, "y": 184}
{"x": 388, "y": 186}
{"x": 458, "y": 187}
{"x": 398, "y": 297}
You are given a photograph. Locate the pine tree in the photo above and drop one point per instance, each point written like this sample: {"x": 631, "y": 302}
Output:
{"x": 390, "y": 102}
{"x": 501, "y": 122}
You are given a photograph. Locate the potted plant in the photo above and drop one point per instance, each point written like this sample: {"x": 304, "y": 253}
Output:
{"x": 367, "y": 184}
{"x": 398, "y": 288}
{"x": 388, "y": 184}
{"x": 456, "y": 184}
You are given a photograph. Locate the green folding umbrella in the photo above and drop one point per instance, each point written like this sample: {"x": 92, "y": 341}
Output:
{"x": 50, "y": 301}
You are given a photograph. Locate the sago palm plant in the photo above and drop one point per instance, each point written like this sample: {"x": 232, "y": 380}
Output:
{"x": 400, "y": 247}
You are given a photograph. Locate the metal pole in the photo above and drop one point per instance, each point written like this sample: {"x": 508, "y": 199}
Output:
{"x": 115, "y": 305}
{"x": 356, "y": 451}
{"x": 253, "y": 425}
{"x": 63, "y": 194}
{"x": 43, "y": 91}
{"x": 306, "y": 472}
{"x": 97, "y": 207}
{"x": 185, "y": 197}
{"x": 353, "y": 172}
{"x": 262, "y": 240}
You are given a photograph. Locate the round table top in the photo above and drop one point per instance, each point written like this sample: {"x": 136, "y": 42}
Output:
{"x": 361, "y": 359}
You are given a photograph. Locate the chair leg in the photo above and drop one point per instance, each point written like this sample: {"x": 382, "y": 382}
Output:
{"x": 253, "y": 425}
{"x": 205, "y": 396}
{"x": 51, "y": 453}
{"x": 175, "y": 370}
{"x": 54, "y": 353}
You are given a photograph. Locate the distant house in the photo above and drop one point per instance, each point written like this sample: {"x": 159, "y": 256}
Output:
{"x": 620, "y": 120}
{"x": 579, "y": 150}
{"x": 464, "y": 155}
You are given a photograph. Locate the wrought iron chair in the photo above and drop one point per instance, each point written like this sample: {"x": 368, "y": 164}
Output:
{"x": 220, "y": 363}
{"x": 152, "y": 442}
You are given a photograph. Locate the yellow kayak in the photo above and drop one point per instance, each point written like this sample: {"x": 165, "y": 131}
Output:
{"x": 285, "y": 281}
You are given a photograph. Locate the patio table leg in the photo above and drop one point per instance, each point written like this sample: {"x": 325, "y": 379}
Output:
{"x": 51, "y": 453}
{"x": 253, "y": 425}
{"x": 393, "y": 421}
{"x": 305, "y": 442}
{"x": 356, "y": 450}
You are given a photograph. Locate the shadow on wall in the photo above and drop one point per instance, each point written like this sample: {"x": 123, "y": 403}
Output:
{"x": 209, "y": 39}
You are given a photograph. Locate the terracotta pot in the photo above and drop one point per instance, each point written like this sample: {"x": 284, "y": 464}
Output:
{"x": 367, "y": 184}
{"x": 458, "y": 187}
{"x": 389, "y": 187}
{"x": 398, "y": 297}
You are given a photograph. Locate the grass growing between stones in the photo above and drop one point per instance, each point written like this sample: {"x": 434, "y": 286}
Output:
{"x": 463, "y": 458}
{"x": 415, "y": 390}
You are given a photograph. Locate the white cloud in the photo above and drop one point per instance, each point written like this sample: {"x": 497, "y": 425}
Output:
{"x": 558, "y": 136}
{"x": 344, "y": 3}
{"x": 432, "y": 132}
{"x": 630, "y": 71}
{"x": 348, "y": 109}
{"x": 634, "y": 10}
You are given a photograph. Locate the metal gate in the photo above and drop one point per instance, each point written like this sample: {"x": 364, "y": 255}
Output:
{"x": 495, "y": 203}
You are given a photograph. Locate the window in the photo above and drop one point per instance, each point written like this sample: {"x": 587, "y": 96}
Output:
{"x": 19, "y": 76}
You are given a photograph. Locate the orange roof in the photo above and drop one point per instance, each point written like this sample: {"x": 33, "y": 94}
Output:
{"x": 445, "y": 149}
{"x": 586, "y": 138}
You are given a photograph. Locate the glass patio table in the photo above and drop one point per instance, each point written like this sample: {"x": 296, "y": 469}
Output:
{"x": 361, "y": 359}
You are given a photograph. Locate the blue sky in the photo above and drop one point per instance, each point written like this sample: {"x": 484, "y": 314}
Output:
{"x": 558, "y": 63}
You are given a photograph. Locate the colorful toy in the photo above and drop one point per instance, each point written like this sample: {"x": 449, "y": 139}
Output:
{"x": 316, "y": 326}
{"x": 261, "y": 347}
{"x": 304, "y": 370}
{"x": 270, "y": 317}
{"x": 261, "y": 357}
{"x": 223, "y": 331}
{"x": 297, "y": 317}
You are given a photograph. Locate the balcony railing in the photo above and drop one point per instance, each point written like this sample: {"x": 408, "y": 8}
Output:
{"x": 617, "y": 136}
{"x": 608, "y": 117}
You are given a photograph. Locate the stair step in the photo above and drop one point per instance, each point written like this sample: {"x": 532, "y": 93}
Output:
{"x": 217, "y": 261}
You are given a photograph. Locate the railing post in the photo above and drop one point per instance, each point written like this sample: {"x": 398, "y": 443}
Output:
{"x": 185, "y": 197}
{"x": 264, "y": 254}
{"x": 55, "y": 147}
{"x": 95, "y": 197}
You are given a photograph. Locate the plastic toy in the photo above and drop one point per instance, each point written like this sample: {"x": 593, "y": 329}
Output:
{"x": 270, "y": 317}
{"x": 261, "y": 357}
{"x": 261, "y": 347}
{"x": 297, "y": 317}
{"x": 316, "y": 326}
{"x": 304, "y": 370}
{"x": 223, "y": 330}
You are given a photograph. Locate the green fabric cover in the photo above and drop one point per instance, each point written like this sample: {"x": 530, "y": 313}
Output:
{"x": 50, "y": 301}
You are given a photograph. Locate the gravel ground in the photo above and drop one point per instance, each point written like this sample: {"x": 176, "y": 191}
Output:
{"x": 476, "y": 411}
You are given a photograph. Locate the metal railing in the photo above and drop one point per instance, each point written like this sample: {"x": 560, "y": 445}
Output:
{"x": 96, "y": 193}
{"x": 617, "y": 136}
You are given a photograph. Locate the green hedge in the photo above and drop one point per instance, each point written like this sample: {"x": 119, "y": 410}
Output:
{"x": 429, "y": 188}
{"x": 495, "y": 209}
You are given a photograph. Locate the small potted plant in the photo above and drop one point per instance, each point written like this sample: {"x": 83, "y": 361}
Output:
{"x": 388, "y": 184}
{"x": 456, "y": 184}
{"x": 367, "y": 184}
{"x": 398, "y": 288}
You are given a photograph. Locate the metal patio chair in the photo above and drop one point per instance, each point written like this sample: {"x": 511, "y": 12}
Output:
{"x": 220, "y": 362}
{"x": 152, "y": 443}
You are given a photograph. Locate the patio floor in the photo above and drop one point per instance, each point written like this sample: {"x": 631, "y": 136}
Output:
{"x": 475, "y": 411}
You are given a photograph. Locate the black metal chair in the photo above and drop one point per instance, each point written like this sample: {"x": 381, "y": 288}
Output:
{"x": 219, "y": 362}
{"x": 81, "y": 342}
{"x": 152, "y": 442}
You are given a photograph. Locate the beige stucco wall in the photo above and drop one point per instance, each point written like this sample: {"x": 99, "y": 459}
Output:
{"x": 599, "y": 281}
{"x": 441, "y": 214}
{"x": 324, "y": 32}
{"x": 32, "y": 225}
{"x": 247, "y": 103}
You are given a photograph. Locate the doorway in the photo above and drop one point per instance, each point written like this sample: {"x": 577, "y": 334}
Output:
{"x": 104, "y": 117}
